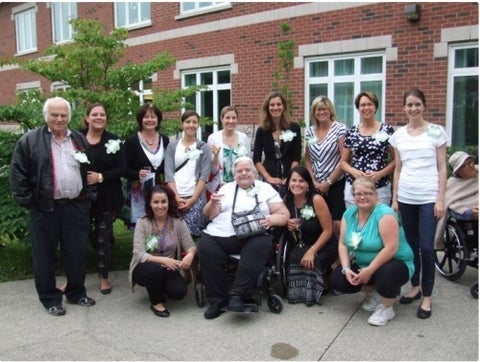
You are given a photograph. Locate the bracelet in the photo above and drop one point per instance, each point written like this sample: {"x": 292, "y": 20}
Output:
{"x": 345, "y": 269}
{"x": 327, "y": 180}
{"x": 100, "y": 178}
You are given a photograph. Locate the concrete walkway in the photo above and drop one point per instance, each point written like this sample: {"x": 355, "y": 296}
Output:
{"x": 121, "y": 327}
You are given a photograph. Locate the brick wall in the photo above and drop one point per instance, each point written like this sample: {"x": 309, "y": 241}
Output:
{"x": 255, "y": 48}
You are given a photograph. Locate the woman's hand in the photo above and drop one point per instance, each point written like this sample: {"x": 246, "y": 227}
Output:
{"x": 351, "y": 276}
{"x": 307, "y": 259}
{"x": 439, "y": 210}
{"x": 373, "y": 175}
{"x": 292, "y": 224}
{"x": 363, "y": 276}
{"x": 182, "y": 204}
{"x": 275, "y": 181}
{"x": 172, "y": 264}
{"x": 322, "y": 187}
{"x": 186, "y": 261}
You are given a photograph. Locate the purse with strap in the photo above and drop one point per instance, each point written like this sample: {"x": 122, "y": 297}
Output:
{"x": 247, "y": 223}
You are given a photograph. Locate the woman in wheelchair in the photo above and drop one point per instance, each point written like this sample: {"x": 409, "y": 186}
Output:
{"x": 313, "y": 246}
{"x": 461, "y": 197}
{"x": 374, "y": 253}
{"x": 219, "y": 239}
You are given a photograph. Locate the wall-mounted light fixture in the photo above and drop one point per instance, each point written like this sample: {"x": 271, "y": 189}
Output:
{"x": 412, "y": 12}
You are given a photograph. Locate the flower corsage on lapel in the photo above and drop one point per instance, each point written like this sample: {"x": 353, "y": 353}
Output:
{"x": 193, "y": 154}
{"x": 253, "y": 190}
{"x": 287, "y": 135}
{"x": 81, "y": 157}
{"x": 434, "y": 131}
{"x": 310, "y": 140}
{"x": 380, "y": 136}
{"x": 307, "y": 212}
{"x": 113, "y": 146}
{"x": 355, "y": 239}
{"x": 240, "y": 150}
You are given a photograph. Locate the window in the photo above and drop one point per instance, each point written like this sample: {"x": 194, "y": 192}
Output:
{"x": 462, "y": 119}
{"x": 342, "y": 78}
{"x": 25, "y": 28}
{"x": 189, "y": 7}
{"x": 62, "y": 13}
{"x": 144, "y": 89}
{"x": 132, "y": 14}
{"x": 209, "y": 102}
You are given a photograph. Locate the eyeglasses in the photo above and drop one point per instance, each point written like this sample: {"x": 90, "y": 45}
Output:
{"x": 363, "y": 194}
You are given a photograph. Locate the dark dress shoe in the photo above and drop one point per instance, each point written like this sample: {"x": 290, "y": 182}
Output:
{"x": 56, "y": 310}
{"x": 164, "y": 313}
{"x": 215, "y": 309}
{"x": 85, "y": 302}
{"x": 408, "y": 300}
{"x": 106, "y": 291}
{"x": 236, "y": 303}
{"x": 424, "y": 314}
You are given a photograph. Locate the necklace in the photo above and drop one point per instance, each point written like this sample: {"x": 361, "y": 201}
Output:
{"x": 151, "y": 141}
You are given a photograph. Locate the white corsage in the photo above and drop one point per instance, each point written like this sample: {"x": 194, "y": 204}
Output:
{"x": 81, "y": 157}
{"x": 240, "y": 150}
{"x": 151, "y": 243}
{"x": 434, "y": 131}
{"x": 307, "y": 212}
{"x": 310, "y": 140}
{"x": 252, "y": 191}
{"x": 287, "y": 136}
{"x": 381, "y": 136}
{"x": 355, "y": 239}
{"x": 193, "y": 154}
{"x": 113, "y": 146}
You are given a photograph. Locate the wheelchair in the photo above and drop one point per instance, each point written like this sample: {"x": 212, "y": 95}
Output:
{"x": 460, "y": 249}
{"x": 271, "y": 281}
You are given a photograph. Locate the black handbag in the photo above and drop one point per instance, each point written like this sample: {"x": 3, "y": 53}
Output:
{"x": 247, "y": 223}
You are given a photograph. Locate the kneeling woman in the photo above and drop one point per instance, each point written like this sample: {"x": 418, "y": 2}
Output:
{"x": 374, "y": 254}
{"x": 314, "y": 246}
{"x": 219, "y": 239}
{"x": 159, "y": 241}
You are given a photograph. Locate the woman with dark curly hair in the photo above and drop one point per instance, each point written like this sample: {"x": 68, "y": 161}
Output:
{"x": 162, "y": 248}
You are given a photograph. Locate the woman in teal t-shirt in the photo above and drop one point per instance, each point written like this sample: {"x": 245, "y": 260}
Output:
{"x": 374, "y": 254}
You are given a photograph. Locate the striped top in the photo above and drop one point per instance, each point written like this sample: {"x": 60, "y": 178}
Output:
{"x": 325, "y": 153}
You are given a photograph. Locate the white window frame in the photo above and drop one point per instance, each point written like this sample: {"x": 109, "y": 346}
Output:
{"x": 25, "y": 20}
{"x": 136, "y": 25}
{"x": 199, "y": 9}
{"x": 452, "y": 74}
{"x": 356, "y": 79}
{"x": 64, "y": 17}
{"x": 214, "y": 88}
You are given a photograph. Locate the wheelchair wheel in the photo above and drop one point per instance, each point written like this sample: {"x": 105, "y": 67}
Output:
{"x": 450, "y": 261}
{"x": 275, "y": 304}
{"x": 281, "y": 261}
{"x": 199, "y": 294}
{"x": 474, "y": 290}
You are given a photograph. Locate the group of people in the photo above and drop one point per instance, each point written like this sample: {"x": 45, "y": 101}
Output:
{"x": 360, "y": 215}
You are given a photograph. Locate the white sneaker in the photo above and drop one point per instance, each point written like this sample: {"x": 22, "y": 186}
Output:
{"x": 381, "y": 316}
{"x": 372, "y": 302}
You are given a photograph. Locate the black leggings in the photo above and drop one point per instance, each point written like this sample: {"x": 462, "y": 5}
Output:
{"x": 387, "y": 279}
{"x": 160, "y": 282}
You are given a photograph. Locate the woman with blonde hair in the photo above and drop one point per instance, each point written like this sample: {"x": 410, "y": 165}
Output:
{"x": 324, "y": 145}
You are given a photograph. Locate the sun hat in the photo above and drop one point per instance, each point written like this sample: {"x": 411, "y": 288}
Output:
{"x": 457, "y": 160}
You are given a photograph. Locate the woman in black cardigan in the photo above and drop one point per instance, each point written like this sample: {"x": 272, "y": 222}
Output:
{"x": 145, "y": 158}
{"x": 279, "y": 140}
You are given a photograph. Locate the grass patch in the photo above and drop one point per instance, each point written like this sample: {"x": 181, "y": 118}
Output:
{"x": 16, "y": 257}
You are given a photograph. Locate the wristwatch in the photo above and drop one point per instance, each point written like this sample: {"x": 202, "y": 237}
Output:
{"x": 100, "y": 178}
{"x": 345, "y": 269}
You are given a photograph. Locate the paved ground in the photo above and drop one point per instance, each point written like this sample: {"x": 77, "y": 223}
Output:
{"x": 121, "y": 327}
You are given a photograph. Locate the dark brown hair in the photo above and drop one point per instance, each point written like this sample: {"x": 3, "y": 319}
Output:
{"x": 148, "y": 107}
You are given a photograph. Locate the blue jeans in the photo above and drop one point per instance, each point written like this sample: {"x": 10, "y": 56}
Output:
{"x": 419, "y": 223}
